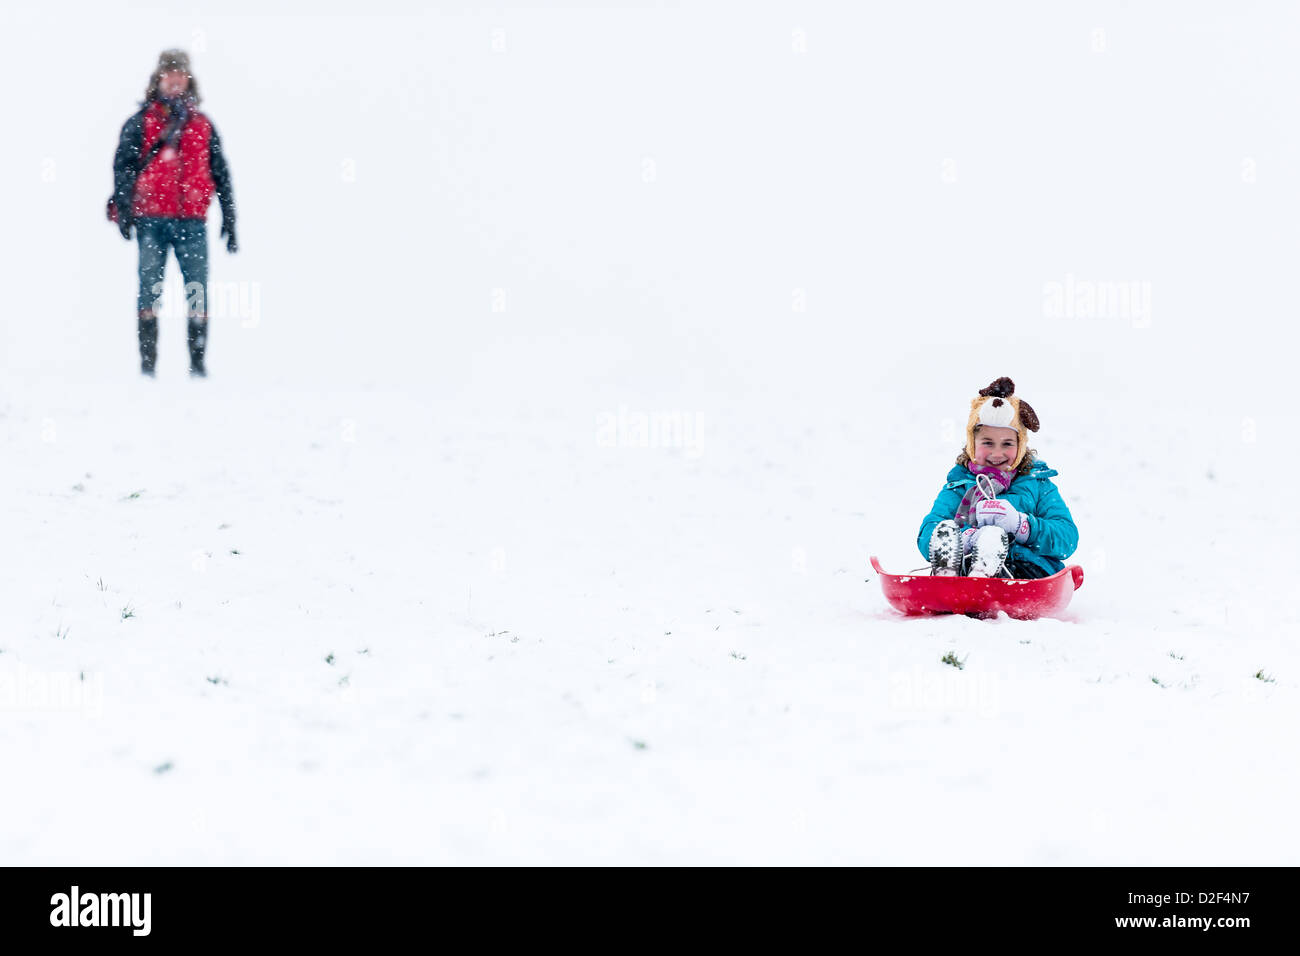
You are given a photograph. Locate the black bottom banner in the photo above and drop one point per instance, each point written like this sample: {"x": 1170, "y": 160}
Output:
{"x": 619, "y": 906}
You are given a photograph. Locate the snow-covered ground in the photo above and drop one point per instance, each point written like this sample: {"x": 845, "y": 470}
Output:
{"x": 575, "y": 363}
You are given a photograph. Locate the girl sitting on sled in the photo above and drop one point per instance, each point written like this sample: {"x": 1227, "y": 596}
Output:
{"x": 999, "y": 515}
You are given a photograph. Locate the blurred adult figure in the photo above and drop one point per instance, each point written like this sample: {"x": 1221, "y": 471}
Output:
{"x": 168, "y": 165}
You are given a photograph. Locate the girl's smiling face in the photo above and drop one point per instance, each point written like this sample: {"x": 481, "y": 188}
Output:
{"x": 996, "y": 447}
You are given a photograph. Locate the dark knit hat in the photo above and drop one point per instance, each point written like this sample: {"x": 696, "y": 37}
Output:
{"x": 173, "y": 60}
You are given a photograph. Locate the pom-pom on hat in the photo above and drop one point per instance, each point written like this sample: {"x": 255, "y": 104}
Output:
{"x": 998, "y": 406}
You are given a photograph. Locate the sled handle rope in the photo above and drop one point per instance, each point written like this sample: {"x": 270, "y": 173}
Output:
{"x": 985, "y": 485}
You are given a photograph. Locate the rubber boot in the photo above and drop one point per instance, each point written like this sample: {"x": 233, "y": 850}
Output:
{"x": 148, "y": 330}
{"x": 198, "y": 339}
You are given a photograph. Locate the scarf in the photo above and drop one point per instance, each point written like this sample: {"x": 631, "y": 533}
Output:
{"x": 179, "y": 109}
{"x": 1000, "y": 481}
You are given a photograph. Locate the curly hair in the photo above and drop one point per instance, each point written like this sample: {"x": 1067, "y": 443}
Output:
{"x": 1025, "y": 467}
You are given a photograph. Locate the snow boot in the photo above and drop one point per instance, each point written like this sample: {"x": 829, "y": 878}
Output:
{"x": 198, "y": 338}
{"x": 988, "y": 553}
{"x": 148, "y": 331}
{"x": 945, "y": 549}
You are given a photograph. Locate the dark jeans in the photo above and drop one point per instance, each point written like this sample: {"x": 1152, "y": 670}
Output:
{"x": 189, "y": 237}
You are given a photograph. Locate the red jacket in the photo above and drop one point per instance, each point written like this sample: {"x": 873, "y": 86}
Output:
{"x": 178, "y": 183}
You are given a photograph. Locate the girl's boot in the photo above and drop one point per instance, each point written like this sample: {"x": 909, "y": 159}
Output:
{"x": 945, "y": 549}
{"x": 988, "y": 553}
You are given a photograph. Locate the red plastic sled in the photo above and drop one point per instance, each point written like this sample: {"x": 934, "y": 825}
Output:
{"x": 982, "y": 597}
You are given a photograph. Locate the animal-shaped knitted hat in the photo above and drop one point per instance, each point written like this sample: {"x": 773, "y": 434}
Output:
{"x": 998, "y": 406}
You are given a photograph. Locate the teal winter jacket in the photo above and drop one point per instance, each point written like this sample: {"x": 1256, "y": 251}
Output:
{"x": 1052, "y": 534}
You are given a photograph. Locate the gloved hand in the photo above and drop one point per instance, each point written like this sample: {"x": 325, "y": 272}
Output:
{"x": 1001, "y": 515}
{"x": 124, "y": 225}
{"x": 228, "y": 229}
